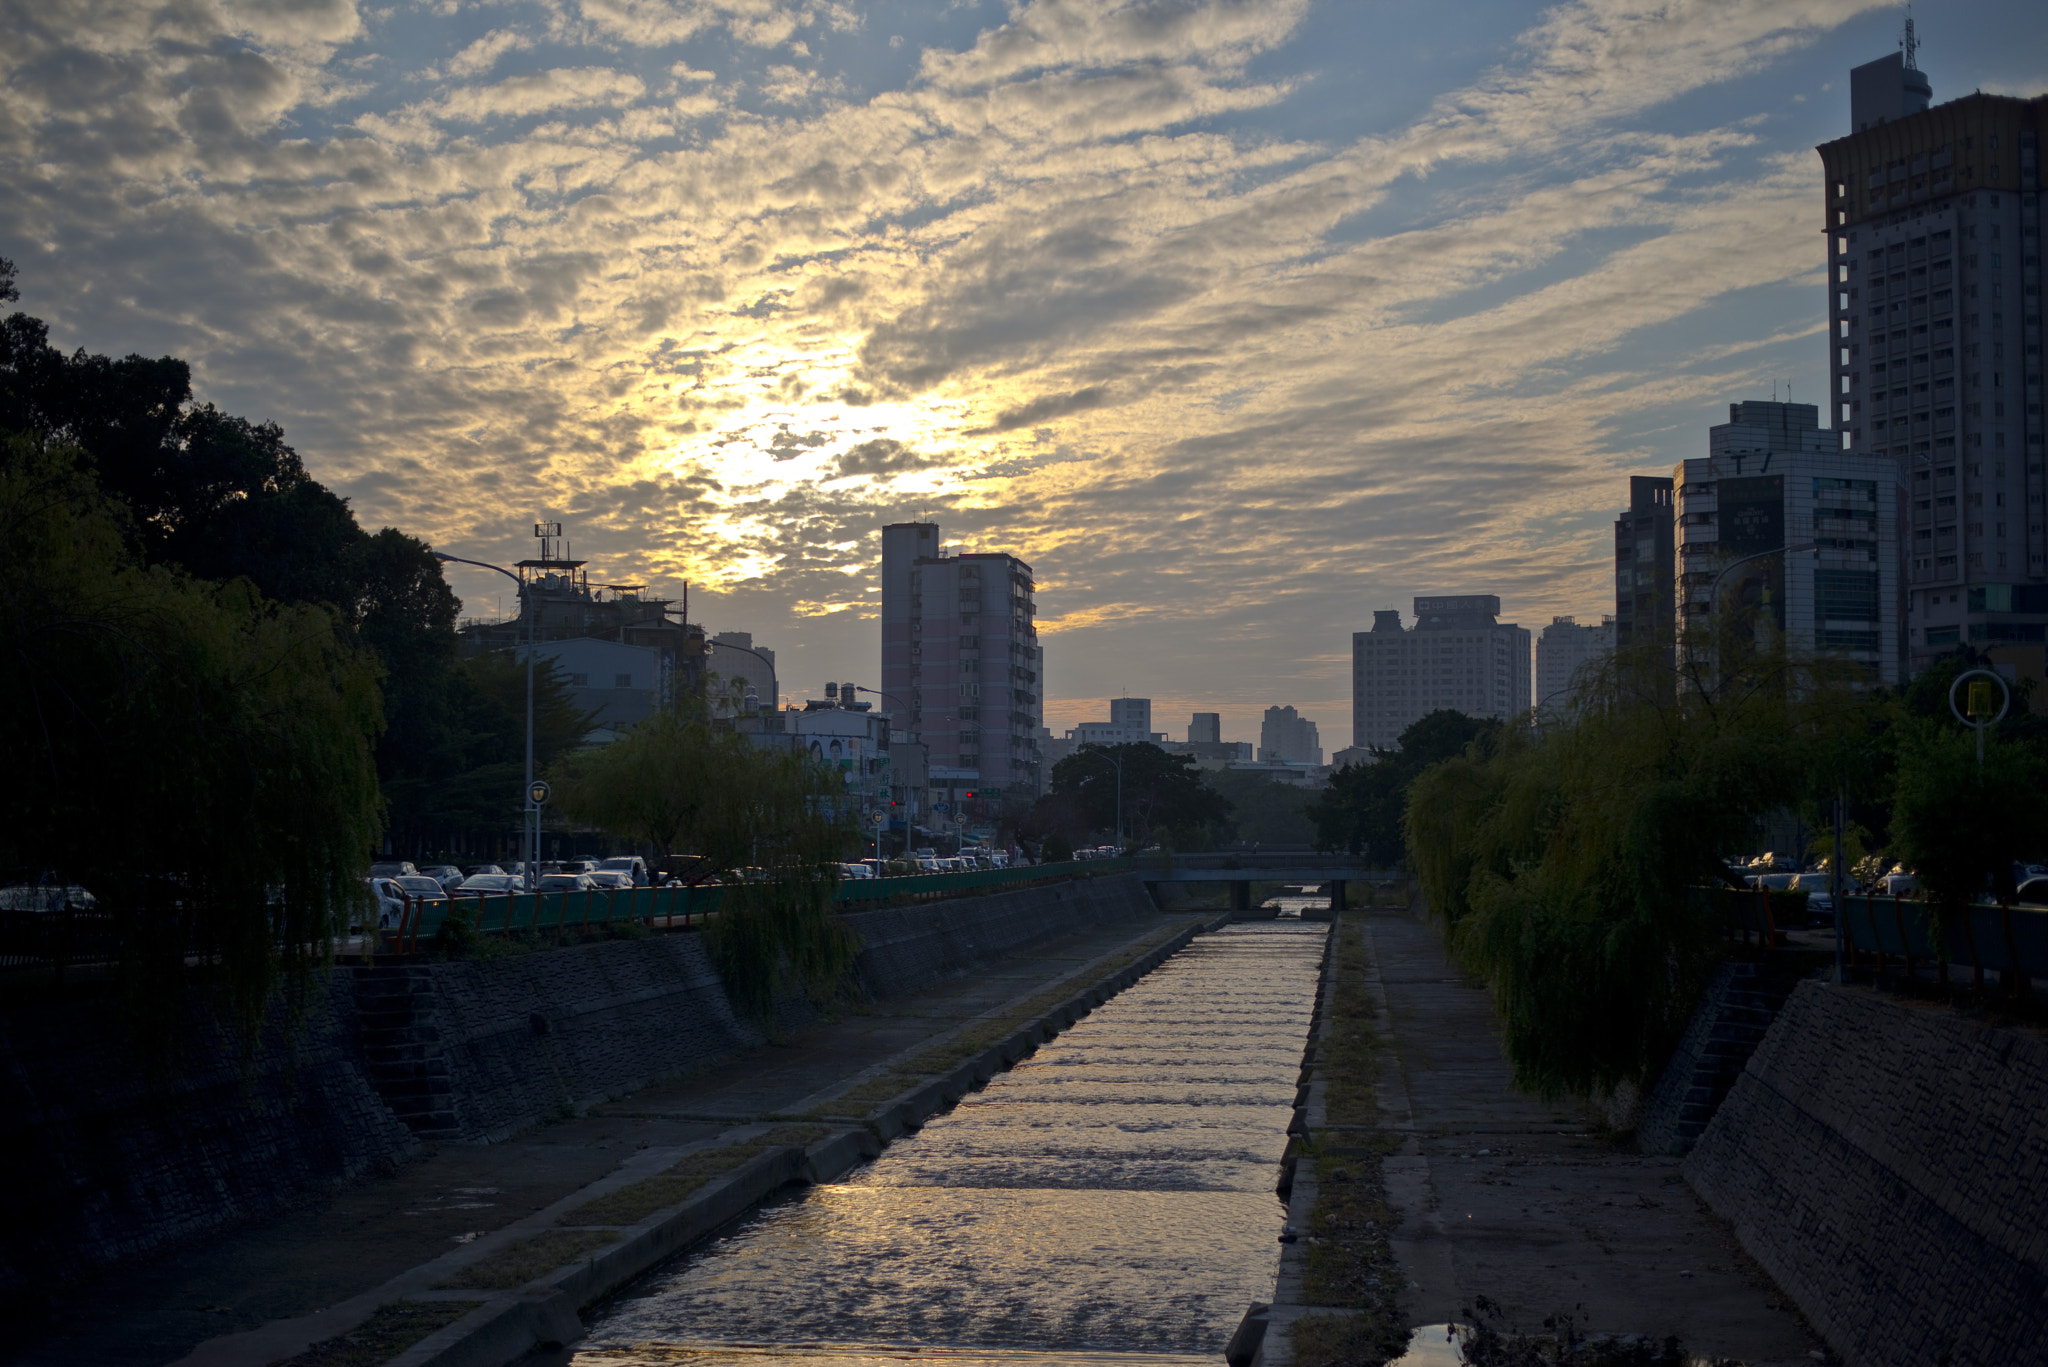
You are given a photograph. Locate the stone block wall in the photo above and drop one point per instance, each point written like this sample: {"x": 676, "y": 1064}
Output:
{"x": 110, "y": 1155}
{"x": 1734, "y": 1013}
{"x": 109, "y": 1160}
{"x": 1884, "y": 1160}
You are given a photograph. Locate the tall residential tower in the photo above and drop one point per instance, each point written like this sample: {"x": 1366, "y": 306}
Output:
{"x": 1933, "y": 228}
{"x": 961, "y": 659}
{"x": 1456, "y": 657}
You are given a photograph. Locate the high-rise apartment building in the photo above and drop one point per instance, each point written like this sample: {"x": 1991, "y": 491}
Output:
{"x": 1289, "y": 738}
{"x": 1565, "y": 651}
{"x": 1455, "y": 657}
{"x": 1205, "y": 728}
{"x": 1934, "y": 339}
{"x": 1645, "y": 594}
{"x": 961, "y": 659}
{"x": 1780, "y": 519}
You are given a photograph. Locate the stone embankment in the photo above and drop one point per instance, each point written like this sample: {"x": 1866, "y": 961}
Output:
{"x": 1887, "y": 1162}
{"x": 128, "y": 1156}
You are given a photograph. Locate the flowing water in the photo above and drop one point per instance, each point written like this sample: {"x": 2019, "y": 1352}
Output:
{"x": 1110, "y": 1199}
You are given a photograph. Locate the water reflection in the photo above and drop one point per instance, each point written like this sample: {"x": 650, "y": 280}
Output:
{"x": 1111, "y": 1195}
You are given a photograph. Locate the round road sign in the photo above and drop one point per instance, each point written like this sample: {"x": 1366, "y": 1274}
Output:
{"x": 539, "y": 792}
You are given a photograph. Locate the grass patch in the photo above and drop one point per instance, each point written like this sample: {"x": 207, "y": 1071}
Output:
{"x": 382, "y": 1337}
{"x": 629, "y": 1205}
{"x": 1350, "y": 1262}
{"x": 1346, "y": 1341}
{"x": 859, "y": 1100}
{"x": 511, "y": 1268}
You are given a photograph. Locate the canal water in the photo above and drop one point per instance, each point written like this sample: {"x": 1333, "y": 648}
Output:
{"x": 1109, "y": 1200}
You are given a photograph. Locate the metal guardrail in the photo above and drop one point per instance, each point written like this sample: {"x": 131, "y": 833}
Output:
{"x": 2003, "y": 939}
{"x": 1876, "y": 929}
{"x": 672, "y": 908}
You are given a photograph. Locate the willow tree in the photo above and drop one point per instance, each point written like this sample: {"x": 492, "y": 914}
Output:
{"x": 199, "y": 758}
{"x": 770, "y": 822}
{"x": 1567, "y": 866}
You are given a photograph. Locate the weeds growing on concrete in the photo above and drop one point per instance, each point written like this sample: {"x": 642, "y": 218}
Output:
{"x": 1491, "y": 1340}
{"x": 629, "y": 1205}
{"x": 1350, "y": 1262}
{"x": 511, "y": 1268}
{"x": 387, "y": 1333}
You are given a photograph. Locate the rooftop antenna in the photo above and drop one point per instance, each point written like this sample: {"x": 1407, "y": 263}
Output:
{"x": 1909, "y": 44}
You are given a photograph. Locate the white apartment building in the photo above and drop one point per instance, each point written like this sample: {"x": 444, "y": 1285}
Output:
{"x": 1565, "y": 650}
{"x": 1456, "y": 657}
{"x": 1130, "y": 723}
{"x": 1287, "y": 737}
{"x": 1780, "y": 519}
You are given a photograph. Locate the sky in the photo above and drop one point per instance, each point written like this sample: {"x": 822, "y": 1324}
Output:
{"x": 1236, "y": 319}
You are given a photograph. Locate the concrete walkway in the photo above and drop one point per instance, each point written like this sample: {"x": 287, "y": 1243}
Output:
{"x": 359, "y": 1237}
{"x": 1509, "y": 1198}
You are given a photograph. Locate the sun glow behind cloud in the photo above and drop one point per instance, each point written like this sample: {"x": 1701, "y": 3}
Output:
{"x": 726, "y": 284}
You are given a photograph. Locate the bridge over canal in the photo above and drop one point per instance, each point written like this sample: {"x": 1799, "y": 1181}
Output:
{"x": 1241, "y": 868}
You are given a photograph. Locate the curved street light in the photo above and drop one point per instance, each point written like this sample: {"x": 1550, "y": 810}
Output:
{"x": 533, "y": 807}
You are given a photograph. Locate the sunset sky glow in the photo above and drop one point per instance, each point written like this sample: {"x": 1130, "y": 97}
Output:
{"x": 1237, "y": 319}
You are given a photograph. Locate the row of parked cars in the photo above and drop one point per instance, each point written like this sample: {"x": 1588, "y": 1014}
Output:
{"x": 1875, "y": 877}
{"x": 395, "y": 882}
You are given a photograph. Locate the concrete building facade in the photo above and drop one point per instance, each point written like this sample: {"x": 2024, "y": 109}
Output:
{"x": 1564, "y": 652}
{"x": 734, "y": 660}
{"x": 1456, "y": 657}
{"x": 1933, "y": 226}
{"x": 1130, "y": 723}
{"x": 1645, "y": 568}
{"x": 1287, "y": 737}
{"x": 1777, "y": 517}
{"x": 961, "y": 660}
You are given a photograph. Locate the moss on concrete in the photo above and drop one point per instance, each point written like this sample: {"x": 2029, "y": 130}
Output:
{"x": 387, "y": 1333}
{"x": 511, "y": 1268}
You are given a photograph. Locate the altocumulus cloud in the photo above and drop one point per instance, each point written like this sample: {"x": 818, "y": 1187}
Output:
{"x": 607, "y": 256}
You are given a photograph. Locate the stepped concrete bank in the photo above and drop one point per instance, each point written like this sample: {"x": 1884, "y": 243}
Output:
{"x": 1884, "y": 1161}
{"x": 117, "y": 1160}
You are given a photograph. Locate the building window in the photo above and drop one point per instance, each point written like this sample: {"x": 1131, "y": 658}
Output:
{"x": 622, "y": 681}
{"x": 579, "y": 681}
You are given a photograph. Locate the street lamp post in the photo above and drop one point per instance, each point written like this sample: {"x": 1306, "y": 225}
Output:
{"x": 533, "y": 825}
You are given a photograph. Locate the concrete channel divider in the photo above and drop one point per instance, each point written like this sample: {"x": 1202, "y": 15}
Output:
{"x": 546, "y": 1312}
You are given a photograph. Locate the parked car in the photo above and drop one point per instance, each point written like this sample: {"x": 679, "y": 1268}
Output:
{"x": 855, "y": 871}
{"x": 611, "y": 878}
{"x": 1773, "y": 882}
{"x": 497, "y": 883}
{"x": 421, "y": 888}
{"x": 2034, "y": 890}
{"x": 565, "y": 882}
{"x": 447, "y": 875}
{"x": 630, "y": 864}
{"x": 472, "y": 870}
{"x": 46, "y": 897}
{"x": 1898, "y": 882}
{"x": 390, "y": 900}
{"x": 393, "y": 868}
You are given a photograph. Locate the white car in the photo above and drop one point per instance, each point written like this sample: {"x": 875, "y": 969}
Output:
{"x": 856, "y": 871}
{"x": 390, "y": 900}
{"x": 612, "y": 878}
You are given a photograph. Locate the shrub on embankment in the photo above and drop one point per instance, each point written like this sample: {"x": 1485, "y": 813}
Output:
{"x": 1564, "y": 865}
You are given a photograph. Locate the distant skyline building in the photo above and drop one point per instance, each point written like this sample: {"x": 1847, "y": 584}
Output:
{"x": 1130, "y": 723}
{"x": 1645, "y": 568}
{"x": 1289, "y": 737}
{"x": 1933, "y": 225}
{"x": 1774, "y": 480}
{"x": 1456, "y": 657}
{"x": 1564, "y": 652}
{"x": 961, "y": 660}
{"x": 734, "y": 658}
{"x": 1205, "y": 728}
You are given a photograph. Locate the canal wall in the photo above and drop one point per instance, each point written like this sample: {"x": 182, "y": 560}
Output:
{"x": 116, "y": 1158}
{"x": 1882, "y": 1160}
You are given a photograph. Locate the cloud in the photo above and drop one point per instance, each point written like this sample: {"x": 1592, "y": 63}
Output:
{"x": 538, "y": 92}
{"x": 1194, "y": 368}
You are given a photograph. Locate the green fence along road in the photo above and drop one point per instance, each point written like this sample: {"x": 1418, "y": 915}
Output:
{"x": 681, "y": 908}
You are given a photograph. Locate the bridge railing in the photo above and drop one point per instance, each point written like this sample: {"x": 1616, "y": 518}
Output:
{"x": 422, "y": 920}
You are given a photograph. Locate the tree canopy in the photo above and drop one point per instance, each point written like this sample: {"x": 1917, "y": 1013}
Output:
{"x": 1163, "y": 797}
{"x": 1361, "y": 810}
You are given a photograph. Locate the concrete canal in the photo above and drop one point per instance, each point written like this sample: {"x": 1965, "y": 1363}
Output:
{"x": 1112, "y": 1195}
